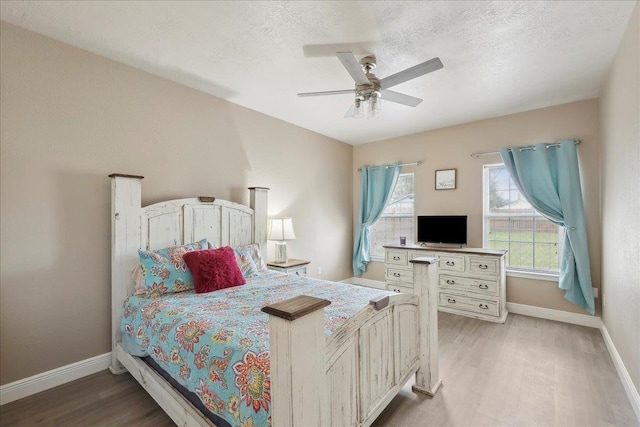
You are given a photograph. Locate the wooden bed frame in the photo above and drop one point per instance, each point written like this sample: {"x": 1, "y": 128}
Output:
{"x": 366, "y": 362}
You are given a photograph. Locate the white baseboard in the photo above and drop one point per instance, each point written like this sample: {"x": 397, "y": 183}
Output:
{"x": 557, "y": 315}
{"x": 627, "y": 383}
{"x": 53, "y": 378}
{"x": 365, "y": 282}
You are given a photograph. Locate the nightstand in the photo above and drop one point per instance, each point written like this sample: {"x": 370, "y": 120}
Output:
{"x": 293, "y": 266}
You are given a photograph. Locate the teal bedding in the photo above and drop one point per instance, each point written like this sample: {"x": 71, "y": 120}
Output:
{"x": 217, "y": 344}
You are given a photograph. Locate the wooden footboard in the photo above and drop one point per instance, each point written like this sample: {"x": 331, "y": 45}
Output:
{"x": 349, "y": 379}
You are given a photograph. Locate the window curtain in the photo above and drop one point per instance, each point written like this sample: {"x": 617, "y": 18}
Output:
{"x": 549, "y": 179}
{"x": 376, "y": 186}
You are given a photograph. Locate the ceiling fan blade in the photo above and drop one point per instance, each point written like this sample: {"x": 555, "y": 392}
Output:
{"x": 400, "y": 98}
{"x": 411, "y": 73}
{"x": 328, "y": 92}
{"x": 353, "y": 67}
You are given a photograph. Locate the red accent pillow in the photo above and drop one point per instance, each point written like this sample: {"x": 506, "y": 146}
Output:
{"x": 214, "y": 269}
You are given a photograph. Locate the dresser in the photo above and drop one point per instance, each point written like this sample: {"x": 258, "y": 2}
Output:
{"x": 471, "y": 281}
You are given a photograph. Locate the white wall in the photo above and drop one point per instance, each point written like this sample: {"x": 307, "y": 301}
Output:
{"x": 620, "y": 163}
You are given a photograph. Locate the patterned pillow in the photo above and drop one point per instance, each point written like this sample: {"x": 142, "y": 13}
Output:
{"x": 164, "y": 270}
{"x": 245, "y": 261}
{"x": 257, "y": 258}
{"x": 214, "y": 269}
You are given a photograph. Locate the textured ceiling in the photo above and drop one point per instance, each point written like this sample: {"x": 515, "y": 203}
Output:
{"x": 499, "y": 57}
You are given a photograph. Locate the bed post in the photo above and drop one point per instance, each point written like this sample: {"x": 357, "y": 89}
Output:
{"x": 297, "y": 348}
{"x": 126, "y": 205}
{"x": 258, "y": 202}
{"x": 425, "y": 273}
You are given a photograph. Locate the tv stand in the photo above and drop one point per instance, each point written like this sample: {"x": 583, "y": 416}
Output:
{"x": 471, "y": 281}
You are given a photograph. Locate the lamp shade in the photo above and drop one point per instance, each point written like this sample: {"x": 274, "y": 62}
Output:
{"x": 358, "y": 109}
{"x": 280, "y": 229}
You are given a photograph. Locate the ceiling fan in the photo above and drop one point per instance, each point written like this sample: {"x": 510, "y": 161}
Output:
{"x": 369, "y": 89}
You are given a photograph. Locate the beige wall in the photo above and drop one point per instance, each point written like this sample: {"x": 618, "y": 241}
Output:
{"x": 68, "y": 119}
{"x": 451, "y": 148}
{"x": 620, "y": 163}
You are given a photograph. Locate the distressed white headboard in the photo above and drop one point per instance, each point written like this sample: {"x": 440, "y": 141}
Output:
{"x": 182, "y": 221}
{"x": 171, "y": 223}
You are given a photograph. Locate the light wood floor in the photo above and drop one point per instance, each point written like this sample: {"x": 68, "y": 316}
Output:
{"x": 527, "y": 372}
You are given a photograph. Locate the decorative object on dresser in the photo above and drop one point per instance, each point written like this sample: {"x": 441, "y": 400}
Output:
{"x": 446, "y": 179}
{"x": 292, "y": 266}
{"x": 471, "y": 281}
{"x": 280, "y": 229}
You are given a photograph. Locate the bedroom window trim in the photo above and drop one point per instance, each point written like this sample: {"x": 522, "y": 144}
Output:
{"x": 533, "y": 275}
{"x": 411, "y": 216}
{"x": 512, "y": 271}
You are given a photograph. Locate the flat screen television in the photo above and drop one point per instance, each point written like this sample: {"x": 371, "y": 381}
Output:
{"x": 449, "y": 229}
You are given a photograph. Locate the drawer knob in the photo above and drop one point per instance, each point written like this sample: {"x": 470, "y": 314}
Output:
{"x": 396, "y": 258}
{"x": 451, "y": 263}
{"x": 483, "y": 266}
{"x": 481, "y": 286}
{"x": 451, "y": 282}
{"x": 396, "y": 274}
{"x": 451, "y": 300}
{"x": 484, "y": 306}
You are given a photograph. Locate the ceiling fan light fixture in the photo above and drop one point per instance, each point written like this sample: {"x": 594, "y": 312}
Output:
{"x": 367, "y": 104}
{"x": 374, "y": 105}
{"x": 358, "y": 109}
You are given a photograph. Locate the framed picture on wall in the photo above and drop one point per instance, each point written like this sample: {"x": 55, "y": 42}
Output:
{"x": 446, "y": 179}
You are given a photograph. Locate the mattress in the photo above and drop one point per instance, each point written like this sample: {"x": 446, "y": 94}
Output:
{"x": 216, "y": 344}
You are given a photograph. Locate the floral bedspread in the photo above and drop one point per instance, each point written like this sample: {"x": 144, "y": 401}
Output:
{"x": 217, "y": 344}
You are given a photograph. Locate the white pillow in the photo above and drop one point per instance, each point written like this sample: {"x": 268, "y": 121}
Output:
{"x": 256, "y": 255}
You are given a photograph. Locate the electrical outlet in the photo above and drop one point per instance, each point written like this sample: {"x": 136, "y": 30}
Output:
{"x": 595, "y": 292}
{"x": 319, "y": 271}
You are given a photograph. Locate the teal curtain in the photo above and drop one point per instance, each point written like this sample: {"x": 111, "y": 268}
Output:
{"x": 549, "y": 179}
{"x": 376, "y": 186}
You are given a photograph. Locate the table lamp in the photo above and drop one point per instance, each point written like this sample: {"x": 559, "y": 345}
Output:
{"x": 280, "y": 229}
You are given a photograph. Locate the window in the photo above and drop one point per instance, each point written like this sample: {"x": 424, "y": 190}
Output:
{"x": 396, "y": 220}
{"x": 511, "y": 223}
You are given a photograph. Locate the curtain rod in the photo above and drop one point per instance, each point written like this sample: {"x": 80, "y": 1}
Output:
{"x": 388, "y": 166}
{"x": 526, "y": 147}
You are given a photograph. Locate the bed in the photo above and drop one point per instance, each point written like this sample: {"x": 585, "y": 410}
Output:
{"x": 318, "y": 352}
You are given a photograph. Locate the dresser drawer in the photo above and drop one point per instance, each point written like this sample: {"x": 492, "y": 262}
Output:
{"x": 466, "y": 303}
{"x": 451, "y": 262}
{"x": 394, "y": 275}
{"x": 418, "y": 254}
{"x": 483, "y": 265}
{"x": 468, "y": 284}
{"x": 400, "y": 289}
{"x": 397, "y": 257}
